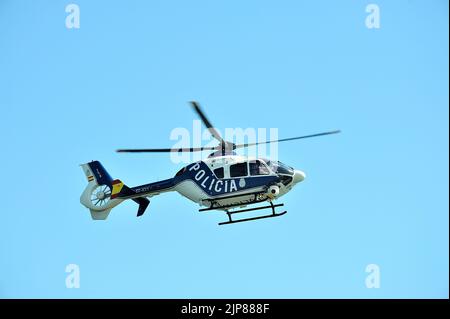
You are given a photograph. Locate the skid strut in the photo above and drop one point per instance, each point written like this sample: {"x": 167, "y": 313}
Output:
{"x": 272, "y": 206}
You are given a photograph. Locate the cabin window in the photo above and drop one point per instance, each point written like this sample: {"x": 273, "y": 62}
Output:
{"x": 219, "y": 172}
{"x": 237, "y": 170}
{"x": 258, "y": 168}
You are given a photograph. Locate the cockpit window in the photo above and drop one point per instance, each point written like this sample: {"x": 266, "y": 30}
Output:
{"x": 237, "y": 170}
{"x": 219, "y": 172}
{"x": 279, "y": 167}
{"x": 258, "y": 168}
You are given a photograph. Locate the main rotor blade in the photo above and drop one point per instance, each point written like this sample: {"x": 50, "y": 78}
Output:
{"x": 287, "y": 139}
{"x": 207, "y": 123}
{"x": 165, "y": 150}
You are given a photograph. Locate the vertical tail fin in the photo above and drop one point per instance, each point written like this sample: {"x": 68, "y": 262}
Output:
{"x": 95, "y": 171}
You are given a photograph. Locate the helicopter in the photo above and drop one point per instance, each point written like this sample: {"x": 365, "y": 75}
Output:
{"x": 223, "y": 181}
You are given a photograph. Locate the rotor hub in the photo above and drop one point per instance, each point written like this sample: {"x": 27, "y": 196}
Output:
{"x": 101, "y": 195}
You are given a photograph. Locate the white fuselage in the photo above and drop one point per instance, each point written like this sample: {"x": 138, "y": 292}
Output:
{"x": 229, "y": 188}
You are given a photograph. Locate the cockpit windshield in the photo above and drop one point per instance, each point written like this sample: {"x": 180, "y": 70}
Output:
{"x": 279, "y": 168}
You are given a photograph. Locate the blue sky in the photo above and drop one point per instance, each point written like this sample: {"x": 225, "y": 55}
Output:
{"x": 375, "y": 194}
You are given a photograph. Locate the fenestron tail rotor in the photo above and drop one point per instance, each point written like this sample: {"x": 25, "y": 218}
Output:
{"x": 223, "y": 146}
{"x": 100, "y": 196}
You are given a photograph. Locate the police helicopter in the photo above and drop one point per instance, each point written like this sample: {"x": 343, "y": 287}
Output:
{"x": 224, "y": 181}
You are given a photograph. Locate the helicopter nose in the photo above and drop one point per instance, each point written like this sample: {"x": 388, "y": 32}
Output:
{"x": 299, "y": 176}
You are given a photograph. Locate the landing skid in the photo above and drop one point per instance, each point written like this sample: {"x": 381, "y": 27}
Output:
{"x": 272, "y": 206}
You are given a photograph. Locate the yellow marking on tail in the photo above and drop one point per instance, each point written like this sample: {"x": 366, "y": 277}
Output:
{"x": 116, "y": 189}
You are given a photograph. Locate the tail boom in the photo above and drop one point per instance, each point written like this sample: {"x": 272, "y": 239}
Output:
{"x": 103, "y": 193}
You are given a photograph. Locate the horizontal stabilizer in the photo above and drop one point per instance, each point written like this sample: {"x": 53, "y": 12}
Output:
{"x": 143, "y": 204}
